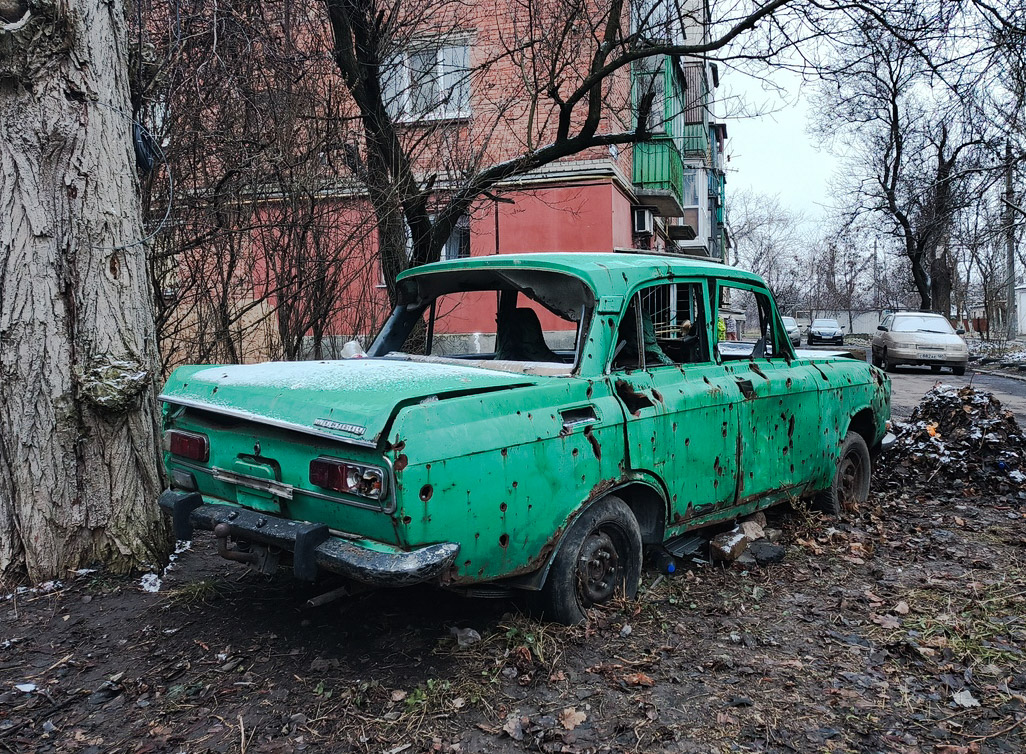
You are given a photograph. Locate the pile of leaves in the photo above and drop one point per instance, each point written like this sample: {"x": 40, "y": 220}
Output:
{"x": 957, "y": 439}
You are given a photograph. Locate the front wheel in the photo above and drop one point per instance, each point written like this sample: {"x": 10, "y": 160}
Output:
{"x": 958, "y": 371}
{"x": 599, "y": 557}
{"x": 935, "y": 368}
{"x": 885, "y": 365}
{"x": 850, "y": 485}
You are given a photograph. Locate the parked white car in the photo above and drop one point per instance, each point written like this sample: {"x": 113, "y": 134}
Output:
{"x": 919, "y": 338}
{"x": 794, "y": 333}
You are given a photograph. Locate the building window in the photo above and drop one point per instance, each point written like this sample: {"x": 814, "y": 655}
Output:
{"x": 689, "y": 195}
{"x": 650, "y": 77}
{"x": 429, "y": 82}
{"x": 458, "y": 245}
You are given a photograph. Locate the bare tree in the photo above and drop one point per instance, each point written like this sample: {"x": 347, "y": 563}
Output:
{"x": 771, "y": 240}
{"x": 916, "y": 154}
{"x": 262, "y": 239}
{"x": 78, "y": 358}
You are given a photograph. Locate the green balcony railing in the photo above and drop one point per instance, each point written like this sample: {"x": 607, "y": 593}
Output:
{"x": 658, "y": 165}
{"x": 694, "y": 141}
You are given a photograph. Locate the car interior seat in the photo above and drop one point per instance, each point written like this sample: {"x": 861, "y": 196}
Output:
{"x": 519, "y": 337}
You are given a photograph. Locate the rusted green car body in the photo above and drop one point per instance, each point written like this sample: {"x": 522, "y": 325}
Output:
{"x": 472, "y": 468}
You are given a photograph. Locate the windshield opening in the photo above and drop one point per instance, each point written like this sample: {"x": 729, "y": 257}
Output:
{"x": 510, "y": 319}
{"x": 922, "y": 323}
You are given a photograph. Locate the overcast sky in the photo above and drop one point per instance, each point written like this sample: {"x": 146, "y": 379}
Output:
{"x": 772, "y": 153}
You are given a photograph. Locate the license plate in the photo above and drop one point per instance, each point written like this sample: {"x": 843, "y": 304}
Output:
{"x": 928, "y": 355}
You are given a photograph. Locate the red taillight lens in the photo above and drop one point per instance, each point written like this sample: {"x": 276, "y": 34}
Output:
{"x": 342, "y": 476}
{"x": 188, "y": 445}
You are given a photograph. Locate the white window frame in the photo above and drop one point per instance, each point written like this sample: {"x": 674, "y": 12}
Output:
{"x": 451, "y": 75}
{"x": 647, "y": 71}
{"x": 451, "y": 249}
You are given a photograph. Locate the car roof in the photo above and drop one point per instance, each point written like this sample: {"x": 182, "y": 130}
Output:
{"x": 605, "y": 272}
{"x": 918, "y": 314}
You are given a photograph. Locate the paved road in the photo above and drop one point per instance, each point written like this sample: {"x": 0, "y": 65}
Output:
{"x": 908, "y": 386}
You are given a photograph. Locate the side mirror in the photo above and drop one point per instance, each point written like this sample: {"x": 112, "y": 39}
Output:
{"x": 844, "y": 327}
{"x": 960, "y": 331}
{"x": 881, "y": 327}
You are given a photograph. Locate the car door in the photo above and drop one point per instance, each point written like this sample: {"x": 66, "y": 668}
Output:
{"x": 880, "y": 337}
{"x": 680, "y": 408}
{"x": 778, "y": 417}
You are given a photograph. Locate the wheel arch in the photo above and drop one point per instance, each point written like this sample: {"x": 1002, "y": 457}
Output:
{"x": 643, "y": 495}
{"x": 864, "y": 423}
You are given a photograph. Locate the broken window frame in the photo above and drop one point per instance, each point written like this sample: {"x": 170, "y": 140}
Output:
{"x": 777, "y": 345}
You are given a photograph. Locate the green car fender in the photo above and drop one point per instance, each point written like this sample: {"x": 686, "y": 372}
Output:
{"x": 645, "y": 496}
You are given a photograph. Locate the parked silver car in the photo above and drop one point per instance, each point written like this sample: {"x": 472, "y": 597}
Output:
{"x": 919, "y": 338}
{"x": 794, "y": 333}
{"x": 826, "y": 331}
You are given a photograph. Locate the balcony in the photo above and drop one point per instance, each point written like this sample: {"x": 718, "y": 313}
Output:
{"x": 694, "y": 142}
{"x": 659, "y": 176}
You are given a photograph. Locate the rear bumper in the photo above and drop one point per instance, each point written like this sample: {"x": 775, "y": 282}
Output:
{"x": 313, "y": 548}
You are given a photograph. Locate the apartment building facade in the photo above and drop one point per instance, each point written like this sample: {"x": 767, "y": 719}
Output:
{"x": 462, "y": 99}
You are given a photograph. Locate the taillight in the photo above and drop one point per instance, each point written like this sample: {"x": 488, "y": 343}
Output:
{"x": 188, "y": 445}
{"x": 351, "y": 478}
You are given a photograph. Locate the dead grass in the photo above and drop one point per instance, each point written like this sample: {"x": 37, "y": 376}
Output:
{"x": 199, "y": 592}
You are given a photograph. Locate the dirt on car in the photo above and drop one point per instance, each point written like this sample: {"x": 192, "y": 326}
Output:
{"x": 899, "y": 628}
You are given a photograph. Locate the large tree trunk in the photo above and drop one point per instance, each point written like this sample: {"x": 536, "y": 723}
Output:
{"x": 940, "y": 280}
{"x": 78, "y": 422}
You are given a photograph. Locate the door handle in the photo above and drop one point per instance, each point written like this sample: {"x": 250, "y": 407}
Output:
{"x": 747, "y": 390}
{"x": 575, "y": 417}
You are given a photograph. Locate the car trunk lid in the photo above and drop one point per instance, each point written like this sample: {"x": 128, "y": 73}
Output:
{"x": 352, "y": 400}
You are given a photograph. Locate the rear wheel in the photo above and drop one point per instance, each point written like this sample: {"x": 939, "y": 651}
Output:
{"x": 599, "y": 557}
{"x": 850, "y": 485}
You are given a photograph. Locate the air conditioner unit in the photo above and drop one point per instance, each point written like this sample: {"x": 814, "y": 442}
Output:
{"x": 644, "y": 223}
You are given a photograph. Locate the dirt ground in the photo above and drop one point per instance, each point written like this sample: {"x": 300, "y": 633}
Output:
{"x": 901, "y": 628}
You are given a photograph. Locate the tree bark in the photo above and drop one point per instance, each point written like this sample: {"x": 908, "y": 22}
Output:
{"x": 78, "y": 420}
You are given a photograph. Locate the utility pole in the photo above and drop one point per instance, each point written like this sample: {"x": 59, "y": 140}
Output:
{"x": 876, "y": 276}
{"x": 1012, "y": 324}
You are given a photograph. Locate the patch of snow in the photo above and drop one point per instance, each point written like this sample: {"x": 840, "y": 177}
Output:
{"x": 25, "y": 688}
{"x": 150, "y": 582}
{"x": 44, "y": 588}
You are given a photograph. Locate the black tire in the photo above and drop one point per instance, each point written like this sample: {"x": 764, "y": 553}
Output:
{"x": 850, "y": 486}
{"x": 958, "y": 371}
{"x": 599, "y": 557}
{"x": 935, "y": 368}
{"x": 876, "y": 359}
{"x": 884, "y": 363}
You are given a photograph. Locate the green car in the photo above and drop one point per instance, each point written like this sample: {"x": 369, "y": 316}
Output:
{"x": 524, "y": 421}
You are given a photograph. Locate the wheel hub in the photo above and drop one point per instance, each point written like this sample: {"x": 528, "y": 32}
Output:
{"x": 598, "y": 568}
{"x": 849, "y": 475}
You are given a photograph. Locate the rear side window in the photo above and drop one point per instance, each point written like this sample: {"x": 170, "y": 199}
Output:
{"x": 746, "y": 326}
